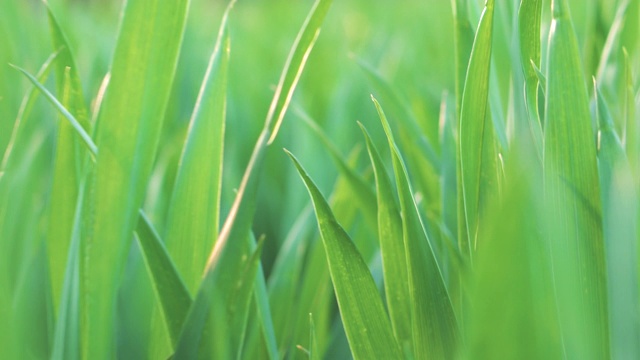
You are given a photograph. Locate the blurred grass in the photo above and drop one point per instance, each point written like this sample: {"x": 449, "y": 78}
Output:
{"x": 413, "y": 55}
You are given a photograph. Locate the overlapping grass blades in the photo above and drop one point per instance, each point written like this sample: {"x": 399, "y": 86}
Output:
{"x": 572, "y": 188}
{"x": 476, "y": 136}
{"x": 365, "y": 320}
{"x": 433, "y": 322}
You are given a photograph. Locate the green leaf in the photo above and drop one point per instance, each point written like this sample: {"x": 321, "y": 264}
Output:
{"x": 477, "y": 147}
{"x": 142, "y": 72}
{"x": 365, "y": 320}
{"x": 572, "y": 192}
{"x": 68, "y": 157}
{"x": 296, "y": 61}
{"x": 433, "y": 322}
{"x": 463, "y": 40}
{"x": 394, "y": 260}
{"x": 190, "y": 237}
{"x": 88, "y": 142}
{"x": 169, "y": 287}
{"x": 632, "y": 123}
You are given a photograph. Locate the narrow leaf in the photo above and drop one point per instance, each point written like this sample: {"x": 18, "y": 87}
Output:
{"x": 433, "y": 322}
{"x": 394, "y": 261}
{"x": 572, "y": 192}
{"x": 363, "y": 315}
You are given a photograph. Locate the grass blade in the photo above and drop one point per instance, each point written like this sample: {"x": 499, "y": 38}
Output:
{"x": 572, "y": 192}
{"x": 169, "y": 287}
{"x": 128, "y": 131}
{"x": 296, "y": 61}
{"x": 365, "y": 321}
{"x": 68, "y": 156}
{"x": 433, "y": 322}
{"x": 477, "y": 163}
{"x": 189, "y": 238}
{"x": 394, "y": 260}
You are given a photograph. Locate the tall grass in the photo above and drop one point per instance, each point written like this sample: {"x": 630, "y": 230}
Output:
{"x": 473, "y": 172}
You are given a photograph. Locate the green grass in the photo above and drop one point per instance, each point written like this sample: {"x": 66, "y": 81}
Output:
{"x": 472, "y": 172}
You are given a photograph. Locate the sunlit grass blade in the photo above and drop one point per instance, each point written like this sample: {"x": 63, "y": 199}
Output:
{"x": 620, "y": 223}
{"x": 296, "y": 61}
{"x": 169, "y": 287}
{"x": 433, "y": 322}
{"x": 477, "y": 158}
{"x": 611, "y": 46}
{"x": 189, "y": 238}
{"x": 572, "y": 192}
{"x": 394, "y": 261}
{"x": 365, "y": 320}
{"x": 68, "y": 157}
{"x": 463, "y": 35}
{"x": 263, "y": 315}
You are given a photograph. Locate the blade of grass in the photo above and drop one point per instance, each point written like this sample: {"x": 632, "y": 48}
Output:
{"x": 394, "y": 260}
{"x": 189, "y": 238}
{"x": 433, "y": 322}
{"x": 169, "y": 287}
{"x": 142, "y": 73}
{"x": 476, "y": 133}
{"x": 572, "y": 193}
{"x": 365, "y": 320}
{"x": 68, "y": 156}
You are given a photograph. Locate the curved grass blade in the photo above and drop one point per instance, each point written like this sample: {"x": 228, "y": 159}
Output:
{"x": 477, "y": 161}
{"x": 620, "y": 224}
{"x": 314, "y": 354}
{"x": 434, "y": 326}
{"x": 169, "y": 287}
{"x": 365, "y": 320}
{"x": 572, "y": 192}
{"x": 394, "y": 259}
{"x": 463, "y": 38}
{"x": 68, "y": 157}
{"x": 296, "y": 61}
{"x": 52, "y": 99}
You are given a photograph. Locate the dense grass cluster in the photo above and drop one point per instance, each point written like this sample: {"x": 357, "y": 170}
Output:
{"x": 472, "y": 169}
